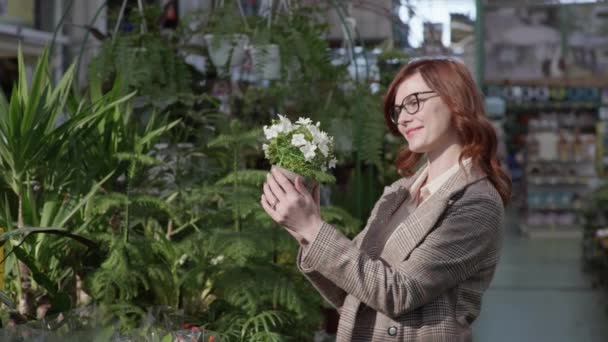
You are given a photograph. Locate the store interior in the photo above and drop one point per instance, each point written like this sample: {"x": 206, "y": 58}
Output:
{"x": 148, "y": 227}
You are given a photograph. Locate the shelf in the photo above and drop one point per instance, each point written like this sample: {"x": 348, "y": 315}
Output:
{"x": 549, "y": 180}
{"x": 582, "y": 129}
{"x": 589, "y": 82}
{"x": 550, "y": 208}
{"x": 552, "y": 231}
{"x": 512, "y": 106}
{"x": 560, "y": 162}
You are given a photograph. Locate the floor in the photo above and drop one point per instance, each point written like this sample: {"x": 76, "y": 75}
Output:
{"x": 539, "y": 294}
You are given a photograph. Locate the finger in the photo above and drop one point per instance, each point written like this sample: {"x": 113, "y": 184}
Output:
{"x": 283, "y": 181}
{"x": 301, "y": 187}
{"x": 277, "y": 190}
{"x": 268, "y": 209}
{"x": 272, "y": 198}
{"x": 264, "y": 200}
{"x": 317, "y": 194}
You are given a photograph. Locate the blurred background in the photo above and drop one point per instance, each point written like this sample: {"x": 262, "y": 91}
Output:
{"x": 131, "y": 158}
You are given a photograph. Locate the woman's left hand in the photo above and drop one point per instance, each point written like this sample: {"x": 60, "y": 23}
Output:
{"x": 292, "y": 206}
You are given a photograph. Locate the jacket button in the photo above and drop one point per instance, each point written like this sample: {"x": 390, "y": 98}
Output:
{"x": 392, "y": 331}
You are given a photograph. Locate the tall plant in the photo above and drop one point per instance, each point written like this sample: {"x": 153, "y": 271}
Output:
{"x": 35, "y": 135}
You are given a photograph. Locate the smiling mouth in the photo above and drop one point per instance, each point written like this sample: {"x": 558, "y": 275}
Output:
{"x": 412, "y": 130}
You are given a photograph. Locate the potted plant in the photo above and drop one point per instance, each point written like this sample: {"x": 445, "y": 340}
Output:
{"x": 226, "y": 38}
{"x": 300, "y": 149}
{"x": 265, "y": 56}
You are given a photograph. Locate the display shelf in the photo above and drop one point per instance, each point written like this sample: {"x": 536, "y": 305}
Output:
{"x": 552, "y": 231}
{"x": 551, "y": 82}
{"x": 552, "y": 181}
{"x": 519, "y": 106}
{"x": 557, "y": 133}
{"x": 583, "y": 129}
{"x": 552, "y": 208}
{"x": 559, "y": 162}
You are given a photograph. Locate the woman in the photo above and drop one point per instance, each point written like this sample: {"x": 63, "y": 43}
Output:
{"x": 419, "y": 268}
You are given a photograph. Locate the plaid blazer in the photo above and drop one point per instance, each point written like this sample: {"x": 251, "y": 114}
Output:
{"x": 428, "y": 282}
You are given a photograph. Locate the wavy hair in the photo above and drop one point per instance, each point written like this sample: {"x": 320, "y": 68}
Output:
{"x": 453, "y": 82}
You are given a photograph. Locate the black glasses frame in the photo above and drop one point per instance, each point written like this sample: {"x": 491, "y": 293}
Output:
{"x": 396, "y": 110}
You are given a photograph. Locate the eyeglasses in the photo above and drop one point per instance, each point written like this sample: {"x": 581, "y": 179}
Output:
{"x": 411, "y": 103}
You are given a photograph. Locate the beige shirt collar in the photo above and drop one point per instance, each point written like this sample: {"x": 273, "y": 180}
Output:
{"x": 426, "y": 191}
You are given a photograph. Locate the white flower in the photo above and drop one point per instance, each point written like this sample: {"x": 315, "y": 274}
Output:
{"x": 182, "y": 259}
{"x": 271, "y": 132}
{"x": 324, "y": 148}
{"x": 314, "y": 130}
{"x": 304, "y": 121}
{"x": 298, "y": 140}
{"x": 323, "y": 168}
{"x": 285, "y": 125}
{"x": 265, "y": 148}
{"x": 332, "y": 163}
{"x": 309, "y": 151}
{"x": 217, "y": 259}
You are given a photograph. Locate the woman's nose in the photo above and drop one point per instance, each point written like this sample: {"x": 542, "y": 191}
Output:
{"x": 404, "y": 118}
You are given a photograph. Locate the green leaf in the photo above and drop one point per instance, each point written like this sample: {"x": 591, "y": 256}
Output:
{"x": 6, "y": 300}
{"x": 254, "y": 178}
{"x": 63, "y": 219}
{"x": 38, "y": 276}
{"x": 56, "y": 231}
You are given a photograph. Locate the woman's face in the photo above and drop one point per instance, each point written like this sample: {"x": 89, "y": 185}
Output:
{"x": 430, "y": 128}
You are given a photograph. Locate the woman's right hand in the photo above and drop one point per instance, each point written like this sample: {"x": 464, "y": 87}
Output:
{"x": 316, "y": 194}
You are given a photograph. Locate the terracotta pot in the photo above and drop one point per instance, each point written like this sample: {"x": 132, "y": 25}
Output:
{"x": 308, "y": 182}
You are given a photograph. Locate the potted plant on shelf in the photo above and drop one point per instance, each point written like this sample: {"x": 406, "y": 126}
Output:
{"x": 226, "y": 38}
{"x": 265, "y": 55}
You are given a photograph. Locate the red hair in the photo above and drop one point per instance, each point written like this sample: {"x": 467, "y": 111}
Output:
{"x": 453, "y": 82}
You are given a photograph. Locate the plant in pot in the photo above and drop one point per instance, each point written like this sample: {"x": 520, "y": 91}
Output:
{"x": 226, "y": 38}
{"x": 265, "y": 55}
{"x": 300, "y": 149}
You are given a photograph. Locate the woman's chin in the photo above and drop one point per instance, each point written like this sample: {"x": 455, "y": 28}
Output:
{"x": 417, "y": 148}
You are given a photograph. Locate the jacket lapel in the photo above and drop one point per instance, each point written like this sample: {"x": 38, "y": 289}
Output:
{"x": 391, "y": 199}
{"x": 419, "y": 223}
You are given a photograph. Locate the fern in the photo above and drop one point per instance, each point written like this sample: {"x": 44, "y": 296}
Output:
{"x": 102, "y": 204}
{"x": 340, "y": 217}
{"x": 371, "y": 132}
{"x": 240, "y": 247}
{"x": 254, "y": 178}
{"x": 261, "y": 325}
{"x": 137, "y": 158}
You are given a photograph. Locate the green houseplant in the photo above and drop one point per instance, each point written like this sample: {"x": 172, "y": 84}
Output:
{"x": 300, "y": 148}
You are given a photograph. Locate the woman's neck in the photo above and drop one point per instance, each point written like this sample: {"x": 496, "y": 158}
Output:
{"x": 442, "y": 160}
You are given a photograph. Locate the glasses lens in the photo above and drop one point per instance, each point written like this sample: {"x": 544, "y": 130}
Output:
{"x": 412, "y": 105}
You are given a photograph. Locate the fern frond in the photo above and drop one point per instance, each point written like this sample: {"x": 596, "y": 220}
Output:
{"x": 262, "y": 324}
{"x": 341, "y": 218}
{"x": 153, "y": 204}
{"x": 371, "y": 131}
{"x": 101, "y": 204}
{"x": 254, "y": 178}
{"x": 240, "y": 246}
{"x": 137, "y": 158}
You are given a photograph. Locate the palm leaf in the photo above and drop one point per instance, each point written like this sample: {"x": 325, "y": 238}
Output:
{"x": 46, "y": 230}
{"x": 6, "y": 300}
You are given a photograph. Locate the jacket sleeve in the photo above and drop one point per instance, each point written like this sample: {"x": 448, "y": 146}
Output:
{"x": 332, "y": 293}
{"x": 467, "y": 236}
